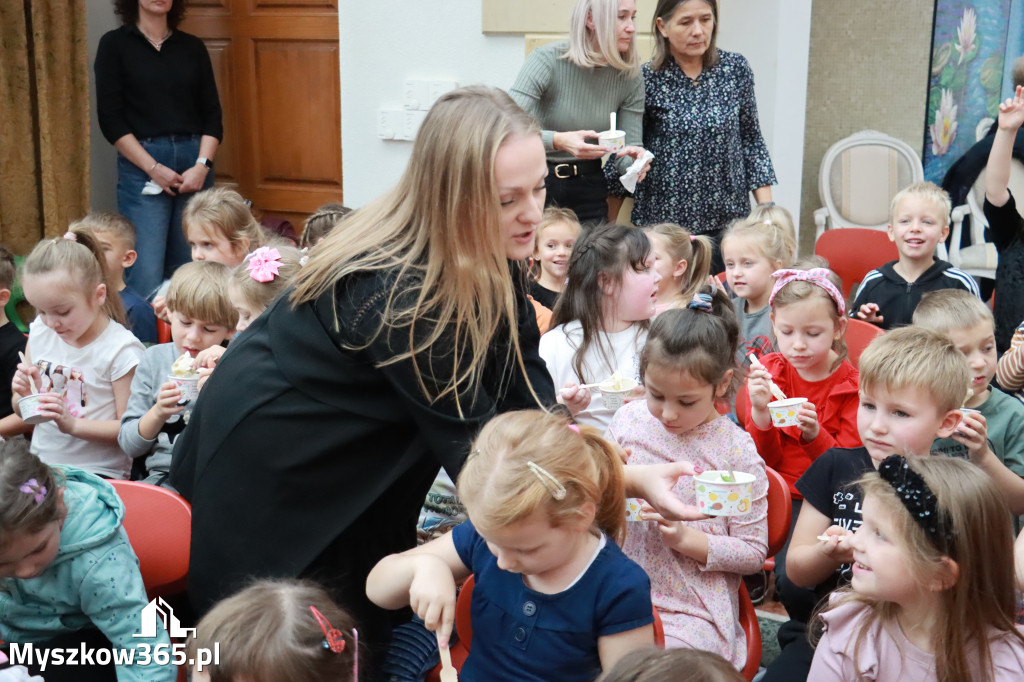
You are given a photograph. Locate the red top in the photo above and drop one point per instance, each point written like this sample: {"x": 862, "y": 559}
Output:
{"x": 836, "y": 401}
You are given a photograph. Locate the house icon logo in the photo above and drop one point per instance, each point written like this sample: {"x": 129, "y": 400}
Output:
{"x": 159, "y": 611}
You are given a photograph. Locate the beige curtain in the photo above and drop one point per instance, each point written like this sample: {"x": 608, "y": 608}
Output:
{"x": 44, "y": 119}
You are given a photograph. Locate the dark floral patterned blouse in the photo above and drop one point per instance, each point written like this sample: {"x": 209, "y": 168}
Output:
{"x": 707, "y": 145}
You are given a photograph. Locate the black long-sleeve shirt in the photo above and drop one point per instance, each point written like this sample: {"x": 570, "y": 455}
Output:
{"x": 150, "y": 92}
{"x": 302, "y": 452}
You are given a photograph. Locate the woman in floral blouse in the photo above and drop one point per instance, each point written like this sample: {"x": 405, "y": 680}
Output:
{"x": 700, "y": 122}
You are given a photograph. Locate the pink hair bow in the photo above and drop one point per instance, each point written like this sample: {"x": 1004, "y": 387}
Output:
{"x": 816, "y": 276}
{"x": 264, "y": 264}
{"x": 32, "y": 487}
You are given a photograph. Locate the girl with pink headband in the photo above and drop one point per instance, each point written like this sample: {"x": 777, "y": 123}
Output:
{"x": 808, "y": 315}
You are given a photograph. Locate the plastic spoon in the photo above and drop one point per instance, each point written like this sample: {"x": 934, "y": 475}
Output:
{"x": 448, "y": 672}
{"x": 595, "y": 385}
{"x": 772, "y": 386}
{"x": 613, "y": 121}
{"x": 31, "y": 381}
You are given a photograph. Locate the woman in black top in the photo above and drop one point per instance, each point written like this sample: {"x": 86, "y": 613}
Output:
{"x": 311, "y": 448}
{"x": 314, "y": 442}
{"x": 157, "y": 104}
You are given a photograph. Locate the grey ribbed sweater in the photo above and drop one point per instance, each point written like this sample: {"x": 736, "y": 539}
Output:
{"x": 565, "y": 97}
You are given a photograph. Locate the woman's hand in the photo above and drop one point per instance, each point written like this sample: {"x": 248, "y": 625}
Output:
{"x": 576, "y": 144}
{"x": 192, "y": 180}
{"x": 636, "y": 153}
{"x": 432, "y": 596}
{"x": 168, "y": 180}
{"x": 807, "y": 420}
{"x": 654, "y": 483}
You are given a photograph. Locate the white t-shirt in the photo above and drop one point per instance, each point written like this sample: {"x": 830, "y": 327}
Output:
{"x": 622, "y": 349}
{"x": 87, "y": 375}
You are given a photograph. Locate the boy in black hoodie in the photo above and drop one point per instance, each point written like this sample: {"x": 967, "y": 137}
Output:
{"x": 919, "y": 220}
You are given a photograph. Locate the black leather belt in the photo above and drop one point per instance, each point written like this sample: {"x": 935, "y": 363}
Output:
{"x": 571, "y": 169}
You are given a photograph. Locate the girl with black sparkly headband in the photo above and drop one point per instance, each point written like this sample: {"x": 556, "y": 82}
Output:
{"x": 933, "y": 594}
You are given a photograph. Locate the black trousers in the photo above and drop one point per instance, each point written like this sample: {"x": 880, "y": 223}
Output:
{"x": 586, "y": 194}
{"x": 794, "y": 663}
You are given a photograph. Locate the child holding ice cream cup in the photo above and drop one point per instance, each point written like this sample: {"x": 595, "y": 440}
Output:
{"x": 165, "y": 384}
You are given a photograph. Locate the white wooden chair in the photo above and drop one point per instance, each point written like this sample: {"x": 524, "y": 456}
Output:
{"x": 859, "y": 176}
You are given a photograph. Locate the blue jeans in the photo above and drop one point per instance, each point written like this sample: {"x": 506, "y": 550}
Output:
{"x": 159, "y": 241}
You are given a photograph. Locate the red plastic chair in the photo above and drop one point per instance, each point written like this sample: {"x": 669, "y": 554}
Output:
{"x": 751, "y": 628}
{"x": 464, "y": 628}
{"x": 858, "y": 335}
{"x": 163, "y": 331}
{"x": 853, "y": 252}
{"x": 780, "y": 515}
{"x": 159, "y": 526}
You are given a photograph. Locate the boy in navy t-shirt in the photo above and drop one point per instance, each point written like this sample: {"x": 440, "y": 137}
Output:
{"x": 115, "y": 236}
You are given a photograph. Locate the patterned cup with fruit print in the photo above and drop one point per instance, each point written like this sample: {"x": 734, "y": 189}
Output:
{"x": 718, "y": 494}
{"x": 783, "y": 412}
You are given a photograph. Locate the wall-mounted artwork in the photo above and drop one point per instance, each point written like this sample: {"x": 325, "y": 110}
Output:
{"x": 974, "y": 44}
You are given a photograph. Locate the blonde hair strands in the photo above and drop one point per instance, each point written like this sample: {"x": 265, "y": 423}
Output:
{"x": 440, "y": 229}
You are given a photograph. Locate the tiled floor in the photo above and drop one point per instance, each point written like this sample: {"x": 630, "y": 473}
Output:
{"x": 770, "y": 615}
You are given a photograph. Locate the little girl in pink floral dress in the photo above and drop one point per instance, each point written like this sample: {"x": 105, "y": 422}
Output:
{"x": 695, "y": 566}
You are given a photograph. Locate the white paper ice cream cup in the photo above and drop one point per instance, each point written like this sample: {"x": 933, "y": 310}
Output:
{"x": 716, "y": 497}
{"x": 29, "y": 407}
{"x": 784, "y": 412}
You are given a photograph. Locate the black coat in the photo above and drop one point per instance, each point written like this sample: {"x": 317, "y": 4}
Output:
{"x": 302, "y": 458}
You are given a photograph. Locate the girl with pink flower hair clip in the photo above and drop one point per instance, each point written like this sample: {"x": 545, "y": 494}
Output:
{"x": 260, "y": 278}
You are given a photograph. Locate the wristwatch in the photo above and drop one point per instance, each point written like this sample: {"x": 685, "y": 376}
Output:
{"x": 205, "y": 161}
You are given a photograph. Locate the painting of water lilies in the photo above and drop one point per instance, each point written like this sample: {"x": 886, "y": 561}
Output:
{"x": 973, "y": 46}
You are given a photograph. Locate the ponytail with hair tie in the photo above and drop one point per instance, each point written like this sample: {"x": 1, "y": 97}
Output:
{"x": 86, "y": 267}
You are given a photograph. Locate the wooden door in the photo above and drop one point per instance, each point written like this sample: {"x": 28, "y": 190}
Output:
{"x": 277, "y": 68}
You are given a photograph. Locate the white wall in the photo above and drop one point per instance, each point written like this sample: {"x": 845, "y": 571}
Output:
{"x": 102, "y": 157}
{"x": 774, "y": 35}
{"x": 385, "y": 42}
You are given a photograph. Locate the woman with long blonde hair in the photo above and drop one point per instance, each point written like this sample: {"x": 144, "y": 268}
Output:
{"x": 316, "y": 438}
{"x": 571, "y": 87}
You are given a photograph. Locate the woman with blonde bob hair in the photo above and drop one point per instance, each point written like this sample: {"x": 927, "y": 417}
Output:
{"x": 316, "y": 438}
{"x": 571, "y": 87}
